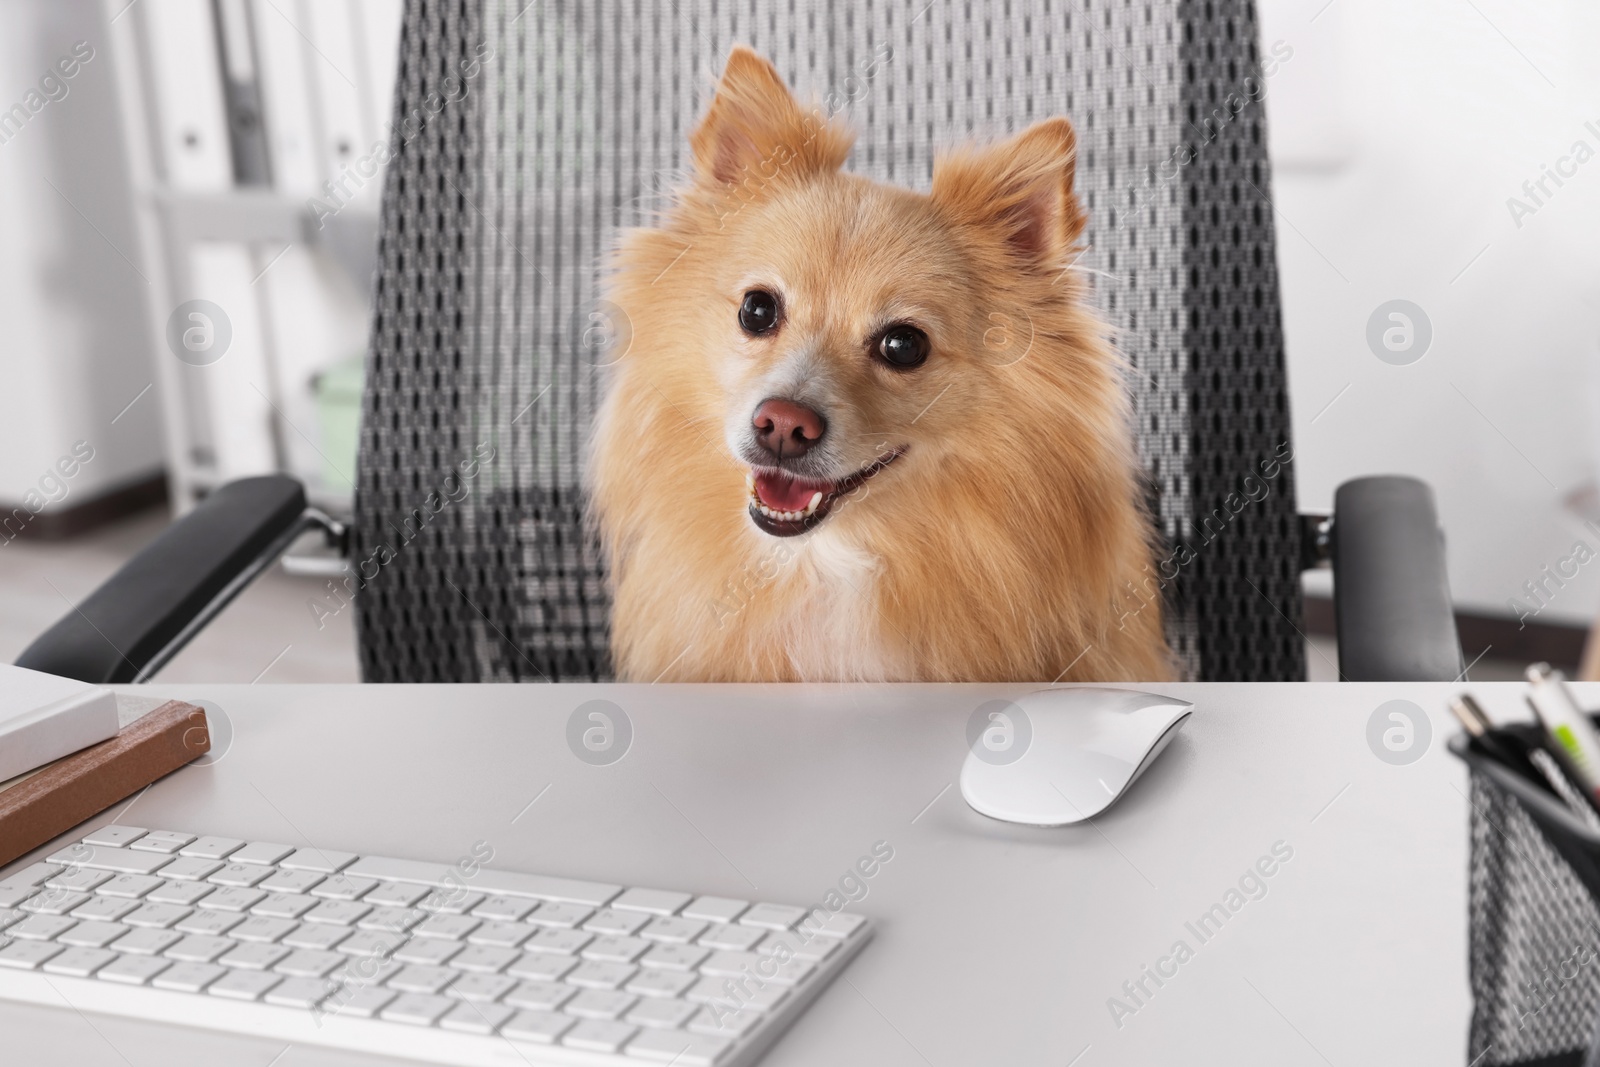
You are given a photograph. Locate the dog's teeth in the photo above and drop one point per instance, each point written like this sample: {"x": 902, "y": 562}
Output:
{"x": 816, "y": 498}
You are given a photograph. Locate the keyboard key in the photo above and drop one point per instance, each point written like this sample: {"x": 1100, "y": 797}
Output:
{"x": 320, "y": 860}
{"x": 290, "y": 881}
{"x": 34, "y": 874}
{"x": 476, "y": 1018}
{"x": 674, "y": 957}
{"x": 14, "y": 896}
{"x": 370, "y": 943}
{"x": 598, "y": 1035}
{"x": 541, "y": 966}
{"x": 681, "y": 931}
{"x": 599, "y": 1004}
{"x": 560, "y": 916}
{"x": 211, "y": 848}
{"x": 678, "y": 1048}
{"x": 54, "y": 901}
{"x": 772, "y": 916}
{"x": 106, "y": 858}
{"x": 661, "y": 1013}
{"x": 244, "y": 875}
{"x": 200, "y": 948}
{"x": 485, "y": 958}
{"x": 179, "y": 892}
{"x": 343, "y": 887}
{"x": 363, "y": 1003}
{"x": 565, "y": 942}
{"x": 390, "y": 920}
{"x": 244, "y": 985}
{"x": 418, "y": 979}
{"x": 190, "y": 869}
{"x": 27, "y": 955}
{"x": 234, "y": 899}
{"x": 300, "y": 992}
{"x": 210, "y": 923}
{"x": 133, "y": 970}
{"x": 79, "y": 879}
{"x": 308, "y": 963}
{"x": 817, "y": 949}
{"x": 260, "y": 853}
{"x": 131, "y": 886}
{"x": 337, "y": 912}
{"x": 500, "y": 908}
{"x": 259, "y": 928}
{"x": 284, "y": 906}
{"x": 369, "y": 970}
{"x": 449, "y": 901}
{"x": 717, "y": 1020}
{"x": 396, "y": 895}
{"x": 99, "y": 909}
{"x": 79, "y": 962}
{"x": 428, "y": 950}
{"x": 734, "y": 938}
{"x": 255, "y": 957}
{"x": 92, "y": 934}
{"x": 146, "y": 942}
{"x": 115, "y": 836}
{"x": 540, "y": 996}
{"x": 594, "y": 975}
{"x": 607, "y": 921}
{"x": 11, "y": 916}
{"x": 715, "y": 909}
{"x": 662, "y": 983}
{"x": 480, "y": 987}
{"x": 654, "y": 901}
{"x": 417, "y": 1008}
{"x": 537, "y": 1027}
{"x": 41, "y": 927}
{"x": 501, "y": 934}
{"x": 452, "y": 927}
{"x": 166, "y": 841}
{"x": 511, "y": 883}
{"x": 159, "y": 916}
{"x": 839, "y": 926}
{"x": 188, "y": 977}
{"x": 615, "y": 949}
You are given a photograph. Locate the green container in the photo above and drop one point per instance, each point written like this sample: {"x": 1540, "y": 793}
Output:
{"x": 338, "y": 393}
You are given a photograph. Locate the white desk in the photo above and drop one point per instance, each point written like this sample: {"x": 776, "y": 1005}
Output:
{"x": 997, "y": 944}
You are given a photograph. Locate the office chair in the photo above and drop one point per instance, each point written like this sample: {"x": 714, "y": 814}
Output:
{"x": 469, "y": 556}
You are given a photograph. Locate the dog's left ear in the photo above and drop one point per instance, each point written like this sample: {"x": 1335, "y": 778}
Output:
{"x": 1021, "y": 189}
{"x": 755, "y": 133}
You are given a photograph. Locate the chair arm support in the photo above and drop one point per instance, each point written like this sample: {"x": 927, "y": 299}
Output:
{"x": 140, "y": 616}
{"x": 1391, "y": 595}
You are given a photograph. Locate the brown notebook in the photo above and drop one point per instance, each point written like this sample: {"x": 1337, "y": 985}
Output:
{"x": 155, "y": 739}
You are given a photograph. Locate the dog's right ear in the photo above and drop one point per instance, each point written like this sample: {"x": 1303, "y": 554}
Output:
{"x": 755, "y": 133}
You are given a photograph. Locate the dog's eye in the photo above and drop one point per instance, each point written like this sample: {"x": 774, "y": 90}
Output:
{"x": 903, "y": 347}
{"x": 759, "y": 312}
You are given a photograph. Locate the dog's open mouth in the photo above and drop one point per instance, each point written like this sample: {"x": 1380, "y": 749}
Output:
{"x": 784, "y": 505}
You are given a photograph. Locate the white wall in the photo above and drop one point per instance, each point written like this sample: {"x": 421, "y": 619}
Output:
{"x": 1399, "y": 131}
{"x": 74, "y": 347}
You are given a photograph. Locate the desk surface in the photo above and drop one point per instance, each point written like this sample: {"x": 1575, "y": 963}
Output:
{"x": 996, "y": 943}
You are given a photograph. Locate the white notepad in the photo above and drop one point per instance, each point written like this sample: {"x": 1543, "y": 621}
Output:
{"x": 43, "y": 717}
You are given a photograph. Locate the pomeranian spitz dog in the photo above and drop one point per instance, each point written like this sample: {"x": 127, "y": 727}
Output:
{"x": 862, "y": 433}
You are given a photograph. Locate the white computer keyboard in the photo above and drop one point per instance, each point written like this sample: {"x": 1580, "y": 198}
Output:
{"x": 452, "y": 963}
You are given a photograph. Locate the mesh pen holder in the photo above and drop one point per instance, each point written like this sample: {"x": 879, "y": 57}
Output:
{"x": 1534, "y": 936}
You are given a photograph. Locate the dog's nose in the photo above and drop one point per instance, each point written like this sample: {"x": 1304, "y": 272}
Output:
{"x": 786, "y": 428}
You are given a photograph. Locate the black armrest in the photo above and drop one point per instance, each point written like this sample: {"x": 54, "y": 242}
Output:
{"x": 1391, "y": 595}
{"x": 126, "y": 628}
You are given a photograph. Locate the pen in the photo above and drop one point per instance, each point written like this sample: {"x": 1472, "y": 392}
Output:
{"x": 1574, "y": 736}
{"x": 1480, "y": 727}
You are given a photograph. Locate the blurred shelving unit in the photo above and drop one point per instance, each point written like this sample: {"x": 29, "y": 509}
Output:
{"x": 256, "y": 131}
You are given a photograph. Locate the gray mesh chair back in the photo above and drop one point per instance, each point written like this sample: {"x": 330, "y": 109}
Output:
{"x": 526, "y": 134}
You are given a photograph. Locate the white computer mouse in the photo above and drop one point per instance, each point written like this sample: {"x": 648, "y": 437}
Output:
{"x": 1060, "y": 756}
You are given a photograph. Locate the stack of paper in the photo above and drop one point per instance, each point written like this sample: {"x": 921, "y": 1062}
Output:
{"x": 43, "y": 717}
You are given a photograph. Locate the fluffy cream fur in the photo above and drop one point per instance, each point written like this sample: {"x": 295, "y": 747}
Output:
{"x": 999, "y": 546}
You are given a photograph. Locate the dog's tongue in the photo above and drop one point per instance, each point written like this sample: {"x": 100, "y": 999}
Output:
{"x": 780, "y": 492}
